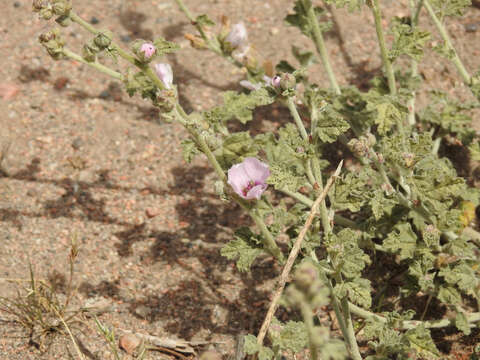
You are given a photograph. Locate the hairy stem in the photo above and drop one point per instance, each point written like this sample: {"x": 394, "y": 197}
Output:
{"x": 472, "y": 318}
{"x": 102, "y": 68}
{"x": 307, "y": 315}
{"x": 415, "y": 12}
{"x": 321, "y": 48}
{"x": 293, "y": 255}
{"x": 349, "y": 335}
{"x": 377, "y": 15}
{"x": 444, "y": 34}
{"x": 296, "y": 117}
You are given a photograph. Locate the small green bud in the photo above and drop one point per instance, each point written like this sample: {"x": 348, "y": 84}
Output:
{"x": 103, "y": 39}
{"x": 287, "y": 81}
{"x": 39, "y": 5}
{"x": 305, "y": 275}
{"x": 358, "y": 147}
{"x": 63, "y": 20}
{"x": 90, "y": 51}
{"x": 53, "y": 43}
{"x": 46, "y": 13}
{"x": 61, "y": 7}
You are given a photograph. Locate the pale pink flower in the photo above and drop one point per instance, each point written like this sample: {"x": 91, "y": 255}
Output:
{"x": 248, "y": 178}
{"x": 237, "y": 35}
{"x": 164, "y": 73}
{"x": 148, "y": 50}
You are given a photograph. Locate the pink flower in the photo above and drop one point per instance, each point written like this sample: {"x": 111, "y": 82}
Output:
{"x": 248, "y": 179}
{"x": 237, "y": 36}
{"x": 164, "y": 73}
{"x": 148, "y": 50}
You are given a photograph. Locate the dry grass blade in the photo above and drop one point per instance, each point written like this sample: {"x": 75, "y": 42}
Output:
{"x": 293, "y": 255}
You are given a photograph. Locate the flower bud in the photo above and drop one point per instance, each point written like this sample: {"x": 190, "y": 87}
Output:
{"x": 358, "y": 147}
{"x": 53, "y": 43}
{"x": 144, "y": 50}
{"x": 409, "y": 159}
{"x": 287, "y": 81}
{"x": 305, "y": 275}
{"x": 237, "y": 36}
{"x": 38, "y": 5}
{"x": 275, "y": 82}
{"x": 46, "y": 13}
{"x": 148, "y": 50}
{"x": 90, "y": 51}
{"x": 61, "y": 7}
{"x": 103, "y": 39}
{"x": 164, "y": 73}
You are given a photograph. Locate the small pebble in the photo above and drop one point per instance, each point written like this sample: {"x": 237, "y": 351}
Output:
{"x": 94, "y": 20}
{"x": 129, "y": 343}
{"x": 77, "y": 143}
{"x": 472, "y": 27}
{"x": 125, "y": 38}
{"x": 16, "y": 4}
{"x": 105, "y": 95}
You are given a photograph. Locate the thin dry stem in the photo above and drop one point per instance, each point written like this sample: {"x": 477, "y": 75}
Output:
{"x": 293, "y": 256}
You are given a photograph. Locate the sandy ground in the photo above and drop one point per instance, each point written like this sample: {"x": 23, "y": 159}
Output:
{"x": 87, "y": 162}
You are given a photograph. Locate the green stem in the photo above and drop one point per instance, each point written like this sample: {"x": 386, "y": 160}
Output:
{"x": 323, "y": 207}
{"x": 415, "y": 12}
{"x": 307, "y": 315}
{"x": 444, "y": 34}
{"x": 383, "y": 47}
{"x": 321, "y": 48}
{"x": 296, "y": 117}
{"x": 269, "y": 241}
{"x": 349, "y": 336}
{"x": 94, "y": 64}
{"x": 122, "y": 53}
{"x": 472, "y": 318}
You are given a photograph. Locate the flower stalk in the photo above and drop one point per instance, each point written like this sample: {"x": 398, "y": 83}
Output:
{"x": 446, "y": 38}
{"x": 377, "y": 15}
{"x": 321, "y": 48}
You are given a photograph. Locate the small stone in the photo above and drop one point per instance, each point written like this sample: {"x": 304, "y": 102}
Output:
{"x": 16, "y": 4}
{"x": 472, "y": 27}
{"x": 105, "y": 95}
{"x": 142, "y": 311}
{"x": 61, "y": 82}
{"x": 94, "y": 20}
{"x": 274, "y": 31}
{"x": 151, "y": 212}
{"x": 129, "y": 343}
{"x": 77, "y": 143}
{"x": 125, "y": 38}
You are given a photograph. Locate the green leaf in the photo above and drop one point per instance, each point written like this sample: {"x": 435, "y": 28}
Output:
{"x": 463, "y": 276}
{"x": 407, "y": 41}
{"x": 301, "y": 20}
{"x": 474, "y": 149}
{"x": 387, "y": 116}
{"x": 381, "y": 204}
{"x": 450, "y": 7}
{"x": 345, "y": 254}
{"x": 421, "y": 341}
{"x": 203, "y": 20}
{"x": 358, "y": 291}
{"x": 330, "y": 125}
{"x": 235, "y": 147}
{"x": 238, "y": 106}
{"x": 189, "y": 150}
{"x": 333, "y": 350}
{"x": 402, "y": 240}
{"x": 461, "y": 323}
{"x": 305, "y": 58}
{"x": 449, "y": 295}
{"x": 251, "y": 347}
{"x": 292, "y": 336}
{"x": 352, "y": 4}
{"x": 351, "y": 191}
{"x": 165, "y": 47}
{"x": 245, "y": 248}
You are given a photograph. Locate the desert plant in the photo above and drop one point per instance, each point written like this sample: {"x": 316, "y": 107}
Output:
{"x": 400, "y": 211}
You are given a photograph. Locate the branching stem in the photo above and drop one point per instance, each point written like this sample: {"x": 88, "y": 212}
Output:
{"x": 444, "y": 34}
{"x": 102, "y": 68}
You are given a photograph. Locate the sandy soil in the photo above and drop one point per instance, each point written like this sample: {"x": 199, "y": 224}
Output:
{"x": 87, "y": 162}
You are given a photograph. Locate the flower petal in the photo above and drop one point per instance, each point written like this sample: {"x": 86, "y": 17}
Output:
{"x": 256, "y": 192}
{"x": 238, "y": 178}
{"x": 257, "y": 171}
